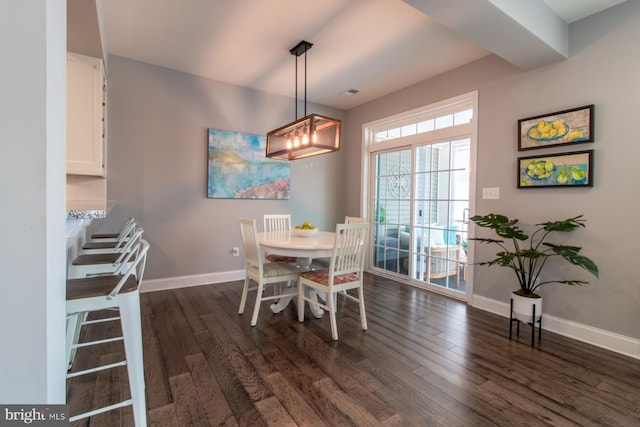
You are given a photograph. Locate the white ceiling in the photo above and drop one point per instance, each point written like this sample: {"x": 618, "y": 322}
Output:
{"x": 374, "y": 46}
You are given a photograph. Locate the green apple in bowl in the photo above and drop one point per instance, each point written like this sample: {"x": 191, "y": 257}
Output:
{"x": 306, "y": 229}
{"x": 305, "y": 226}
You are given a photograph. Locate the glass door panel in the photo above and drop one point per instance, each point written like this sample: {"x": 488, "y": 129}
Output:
{"x": 421, "y": 205}
{"x": 392, "y": 211}
{"x": 441, "y": 201}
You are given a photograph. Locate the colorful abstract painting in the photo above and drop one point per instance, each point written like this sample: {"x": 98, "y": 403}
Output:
{"x": 238, "y": 168}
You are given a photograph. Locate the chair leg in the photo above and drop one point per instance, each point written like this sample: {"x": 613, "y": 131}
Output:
{"x": 243, "y": 300}
{"x": 331, "y": 298}
{"x": 314, "y": 303}
{"x": 300, "y": 302}
{"x": 322, "y": 296}
{"x": 363, "y": 314}
{"x": 256, "y": 307}
{"x": 132, "y": 333}
{"x": 74, "y": 324}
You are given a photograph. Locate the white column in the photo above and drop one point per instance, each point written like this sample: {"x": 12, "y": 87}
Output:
{"x": 32, "y": 191}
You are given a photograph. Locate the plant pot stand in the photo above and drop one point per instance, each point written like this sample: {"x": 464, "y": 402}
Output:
{"x": 512, "y": 319}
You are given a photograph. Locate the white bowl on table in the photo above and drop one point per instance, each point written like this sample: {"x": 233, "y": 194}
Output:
{"x": 305, "y": 232}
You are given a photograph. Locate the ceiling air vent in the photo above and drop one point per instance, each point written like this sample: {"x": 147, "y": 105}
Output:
{"x": 350, "y": 92}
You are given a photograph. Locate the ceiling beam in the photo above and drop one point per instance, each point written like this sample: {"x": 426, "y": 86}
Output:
{"x": 527, "y": 34}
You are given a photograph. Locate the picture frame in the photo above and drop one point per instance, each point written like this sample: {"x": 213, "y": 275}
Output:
{"x": 238, "y": 169}
{"x": 574, "y": 126}
{"x": 572, "y": 169}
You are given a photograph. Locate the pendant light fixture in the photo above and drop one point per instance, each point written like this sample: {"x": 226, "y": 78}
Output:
{"x": 309, "y": 136}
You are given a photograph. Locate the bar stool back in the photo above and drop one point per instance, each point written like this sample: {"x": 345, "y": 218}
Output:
{"x": 113, "y": 236}
{"x": 110, "y": 245}
{"x": 100, "y": 263}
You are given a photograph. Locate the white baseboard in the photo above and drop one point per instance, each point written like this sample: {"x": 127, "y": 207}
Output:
{"x": 187, "y": 281}
{"x": 598, "y": 337}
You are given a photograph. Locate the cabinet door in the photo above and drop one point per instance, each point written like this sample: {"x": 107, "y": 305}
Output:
{"x": 85, "y": 142}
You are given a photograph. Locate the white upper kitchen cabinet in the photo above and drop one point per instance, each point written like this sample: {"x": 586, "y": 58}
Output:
{"x": 86, "y": 141}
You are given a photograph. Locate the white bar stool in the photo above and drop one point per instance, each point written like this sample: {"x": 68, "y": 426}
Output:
{"x": 121, "y": 292}
{"x": 113, "y": 236}
{"x": 101, "y": 264}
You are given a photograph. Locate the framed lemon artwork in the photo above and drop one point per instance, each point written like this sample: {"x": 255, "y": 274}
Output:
{"x": 572, "y": 126}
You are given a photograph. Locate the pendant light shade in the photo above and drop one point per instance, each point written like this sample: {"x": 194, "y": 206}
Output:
{"x": 309, "y": 136}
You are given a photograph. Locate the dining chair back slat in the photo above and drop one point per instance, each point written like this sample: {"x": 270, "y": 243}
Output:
{"x": 253, "y": 256}
{"x": 349, "y": 248}
{"x": 354, "y": 220}
{"x": 277, "y": 222}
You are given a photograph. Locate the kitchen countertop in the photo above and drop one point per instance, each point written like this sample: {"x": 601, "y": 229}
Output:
{"x": 89, "y": 209}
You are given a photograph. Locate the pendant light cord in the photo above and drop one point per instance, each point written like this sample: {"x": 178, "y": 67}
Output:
{"x": 305, "y": 86}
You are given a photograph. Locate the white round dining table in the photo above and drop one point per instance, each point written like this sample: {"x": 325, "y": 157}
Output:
{"x": 305, "y": 248}
{"x": 285, "y": 243}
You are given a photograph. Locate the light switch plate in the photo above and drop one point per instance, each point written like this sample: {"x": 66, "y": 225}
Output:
{"x": 492, "y": 193}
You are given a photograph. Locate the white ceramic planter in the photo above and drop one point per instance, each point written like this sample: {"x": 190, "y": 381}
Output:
{"x": 523, "y": 308}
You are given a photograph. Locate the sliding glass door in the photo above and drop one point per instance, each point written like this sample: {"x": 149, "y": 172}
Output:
{"x": 420, "y": 182}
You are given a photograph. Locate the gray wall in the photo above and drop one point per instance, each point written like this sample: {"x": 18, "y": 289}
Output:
{"x": 157, "y": 166}
{"x": 603, "y": 69}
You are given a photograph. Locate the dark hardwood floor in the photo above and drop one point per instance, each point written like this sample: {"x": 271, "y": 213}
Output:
{"x": 426, "y": 360}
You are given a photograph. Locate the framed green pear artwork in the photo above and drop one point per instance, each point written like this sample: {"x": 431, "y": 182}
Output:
{"x": 556, "y": 170}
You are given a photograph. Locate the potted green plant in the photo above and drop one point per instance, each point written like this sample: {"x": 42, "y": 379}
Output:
{"x": 381, "y": 214}
{"x": 529, "y": 254}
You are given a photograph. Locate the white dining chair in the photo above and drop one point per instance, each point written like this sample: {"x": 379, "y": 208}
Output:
{"x": 261, "y": 272}
{"x": 277, "y": 223}
{"x": 345, "y": 272}
{"x": 108, "y": 292}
